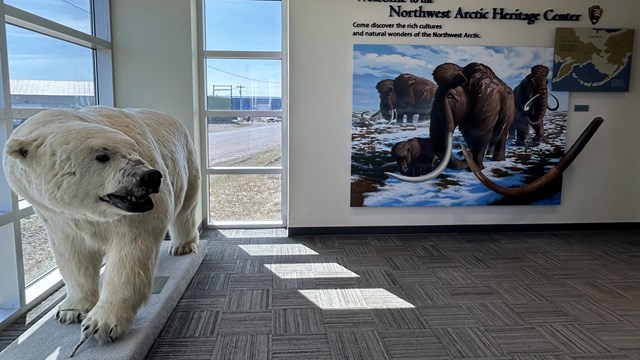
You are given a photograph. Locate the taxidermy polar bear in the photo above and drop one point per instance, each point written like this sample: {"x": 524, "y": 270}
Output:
{"x": 107, "y": 183}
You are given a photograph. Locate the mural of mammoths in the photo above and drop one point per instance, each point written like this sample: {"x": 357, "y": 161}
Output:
{"x": 531, "y": 104}
{"x": 406, "y": 95}
{"x": 477, "y": 102}
{"x": 414, "y": 156}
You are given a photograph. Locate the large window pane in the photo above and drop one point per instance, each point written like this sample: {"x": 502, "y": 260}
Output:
{"x": 47, "y": 72}
{"x": 72, "y": 13}
{"x": 36, "y": 252}
{"x": 238, "y": 198}
{"x": 244, "y": 141}
{"x": 241, "y": 25}
{"x": 236, "y": 84}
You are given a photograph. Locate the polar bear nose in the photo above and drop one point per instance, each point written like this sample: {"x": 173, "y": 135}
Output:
{"x": 151, "y": 179}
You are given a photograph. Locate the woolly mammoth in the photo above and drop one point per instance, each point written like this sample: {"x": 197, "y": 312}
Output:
{"x": 531, "y": 104}
{"x": 477, "y": 102}
{"x": 406, "y": 95}
{"x": 414, "y": 156}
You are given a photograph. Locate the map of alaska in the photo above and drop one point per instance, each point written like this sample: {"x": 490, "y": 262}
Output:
{"x": 587, "y": 59}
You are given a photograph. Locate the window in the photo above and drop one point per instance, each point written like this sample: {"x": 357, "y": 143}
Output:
{"x": 244, "y": 113}
{"x": 52, "y": 54}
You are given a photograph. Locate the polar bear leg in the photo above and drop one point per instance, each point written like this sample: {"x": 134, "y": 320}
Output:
{"x": 184, "y": 228}
{"x": 126, "y": 286}
{"x": 79, "y": 265}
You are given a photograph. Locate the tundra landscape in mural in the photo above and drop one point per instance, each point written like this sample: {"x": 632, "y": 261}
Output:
{"x": 416, "y": 108}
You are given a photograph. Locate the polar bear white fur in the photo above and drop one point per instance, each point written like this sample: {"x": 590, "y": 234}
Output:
{"x": 107, "y": 184}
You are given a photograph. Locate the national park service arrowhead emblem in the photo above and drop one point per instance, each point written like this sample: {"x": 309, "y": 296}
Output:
{"x": 595, "y": 13}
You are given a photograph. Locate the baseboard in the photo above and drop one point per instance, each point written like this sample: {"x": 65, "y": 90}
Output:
{"x": 431, "y": 229}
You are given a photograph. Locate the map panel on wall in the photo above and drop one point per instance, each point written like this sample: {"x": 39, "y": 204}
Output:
{"x": 589, "y": 59}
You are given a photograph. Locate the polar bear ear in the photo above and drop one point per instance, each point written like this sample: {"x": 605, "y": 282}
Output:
{"x": 22, "y": 148}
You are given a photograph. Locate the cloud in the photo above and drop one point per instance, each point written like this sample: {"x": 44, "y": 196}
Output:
{"x": 509, "y": 63}
{"x": 385, "y": 65}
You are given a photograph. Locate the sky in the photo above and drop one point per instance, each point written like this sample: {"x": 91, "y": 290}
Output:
{"x": 372, "y": 63}
{"x": 36, "y": 57}
{"x": 231, "y": 25}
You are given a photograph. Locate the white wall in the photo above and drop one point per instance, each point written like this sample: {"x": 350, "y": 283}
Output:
{"x": 154, "y": 65}
{"x": 600, "y": 186}
{"x": 154, "y": 58}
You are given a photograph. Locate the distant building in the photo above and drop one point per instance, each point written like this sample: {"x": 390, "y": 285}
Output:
{"x": 43, "y": 94}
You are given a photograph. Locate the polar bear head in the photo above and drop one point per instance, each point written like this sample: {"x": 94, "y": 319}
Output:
{"x": 85, "y": 170}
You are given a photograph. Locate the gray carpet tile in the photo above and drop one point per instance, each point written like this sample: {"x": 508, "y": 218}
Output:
{"x": 448, "y": 316}
{"x": 430, "y": 294}
{"x": 300, "y": 346}
{"x": 241, "y": 346}
{"x": 541, "y": 313}
{"x": 378, "y": 278}
{"x": 620, "y": 336}
{"x": 512, "y": 293}
{"x": 494, "y": 314}
{"x": 414, "y": 277}
{"x": 455, "y": 276}
{"x": 191, "y": 324}
{"x": 523, "y": 340}
{"x": 468, "y": 342}
{"x": 496, "y": 275}
{"x": 246, "y": 322}
{"x": 348, "y": 320}
{"x": 575, "y": 339}
{"x": 398, "y": 319}
{"x": 413, "y": 345}
{"x": 472, "y": 293}
{"x": 297, "y": 321}
{"x": 521, "y": 296}
{"x": 181, "y": 349}
{"x": 357, "y": 345}
{"x": 557, "y": 291}
{"x": 248, "y": 299}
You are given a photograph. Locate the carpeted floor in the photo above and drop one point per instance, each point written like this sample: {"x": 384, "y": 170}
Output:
{"x": 262, "y": 295}
{"x": 537, "y": 296}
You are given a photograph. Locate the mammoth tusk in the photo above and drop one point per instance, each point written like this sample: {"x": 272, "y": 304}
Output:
{"x": 545, "y": 179}
{"x": 557, "y": 103}
{"x": 527, "y": 105}
{"x": 436, "y": 172}
{"x": 375, "y": 114}
{"x": 393, "y": 115}
{"x": 389, "y": 164}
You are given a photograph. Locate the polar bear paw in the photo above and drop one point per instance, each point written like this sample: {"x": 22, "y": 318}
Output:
{"x": 104, "y": 325}
{"x": 73, "y": 311}
{"x": 183, "y": 248}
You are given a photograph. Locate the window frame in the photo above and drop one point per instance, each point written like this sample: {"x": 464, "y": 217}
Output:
{"x": 16, "y": 297}
{"x": 205, "y": 113}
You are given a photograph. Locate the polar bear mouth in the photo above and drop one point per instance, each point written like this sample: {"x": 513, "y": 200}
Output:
{"x": 129, "y": 203}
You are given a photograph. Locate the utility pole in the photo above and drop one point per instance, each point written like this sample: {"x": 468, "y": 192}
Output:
{"x": 240, "y": 87}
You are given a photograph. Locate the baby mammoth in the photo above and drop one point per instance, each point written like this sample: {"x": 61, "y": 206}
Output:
{"x": 415, "y": 156}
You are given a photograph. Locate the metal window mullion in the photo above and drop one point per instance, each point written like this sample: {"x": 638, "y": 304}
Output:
{"x": 8, "y": 198}
{"x": 258, "y": 55}
{"x": 103, "y": 61}
{"x": 29, "y": 21}
{"x": 252, "y": 113}
{"x": 276, "y": 170}
{"x": 284, "y": 184}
